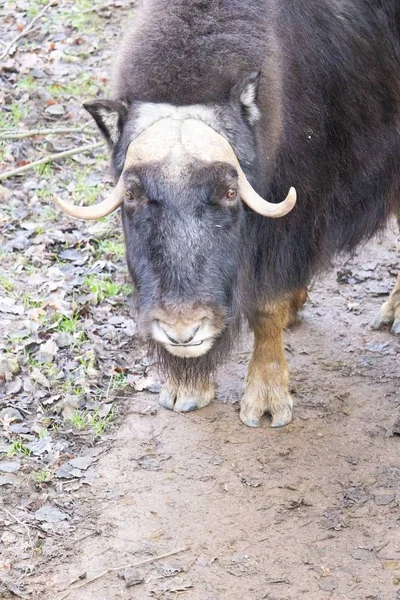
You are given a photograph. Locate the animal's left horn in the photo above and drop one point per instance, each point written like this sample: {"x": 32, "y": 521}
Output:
{"x": 212, "y": 145}
{"x": 261, "y": 206}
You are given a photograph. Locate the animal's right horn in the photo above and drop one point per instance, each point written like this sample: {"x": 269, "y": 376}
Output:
{"x": 97, "y": 211}
{"x": 111, "y": 203}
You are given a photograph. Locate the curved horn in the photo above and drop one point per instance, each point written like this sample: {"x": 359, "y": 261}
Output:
{"x": 107, "y": 206}
{"x": 261, "y": 206}
{"x": 205, "y": 142}
{"x": 97, "y": 211}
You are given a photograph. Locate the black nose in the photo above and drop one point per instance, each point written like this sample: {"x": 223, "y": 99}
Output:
{"x": 181, "y": 342}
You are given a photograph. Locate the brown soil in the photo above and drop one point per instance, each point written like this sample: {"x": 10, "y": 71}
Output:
{"x": 309, "y": 511}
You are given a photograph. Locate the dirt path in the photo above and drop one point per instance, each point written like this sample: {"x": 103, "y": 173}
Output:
{"x": 310, "y": 511}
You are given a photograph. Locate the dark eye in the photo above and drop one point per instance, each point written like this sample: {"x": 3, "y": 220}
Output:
{"x": 230, "y": 198}
{"x": 130, "y": 200}
{"x": 231, "y": 193}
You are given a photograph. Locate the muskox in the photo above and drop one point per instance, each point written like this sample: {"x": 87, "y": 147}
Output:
{"x": 223, "y": 111}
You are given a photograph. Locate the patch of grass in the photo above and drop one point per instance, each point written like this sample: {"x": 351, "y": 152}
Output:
{"x": 105, "y": 288}
{"x": 6, "y": 284}
{"x": 99, "y": 424}
{"x": 79, "y": 419}
{"x": 27, "y": 84}
{"x": 84, "y": 192}
{"x": 68, "y": 387}
{"x": 34, "y": 7}
{"x": 15, "y": 113}
{"x": 49, "y": 213}
{"x": 66, "y": 324}
{"x": 30, "y": 302}
{"x": 120, "y": 381}
{"x": 45, "y": 170}
{"x": 109, "y": 249}
{"x": 18, "y": 449}
{"x": 82, "y": 86}
{"x": 81, "y": 16}
{"x": 49, "y": 369}
{"x": 43, "y": 476}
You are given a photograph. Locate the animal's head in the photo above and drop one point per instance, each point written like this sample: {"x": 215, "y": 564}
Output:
{"x": 183, "y": 195}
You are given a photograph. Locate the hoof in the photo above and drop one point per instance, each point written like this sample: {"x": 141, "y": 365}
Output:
{"x": 251, "y": 411}
{"x": 282, "y": 417}
{"x": 183, "y": 400}
{"x": 167, "y": 398}
{"x": 395, "y": 327}
{"x": 381, "y": 320}
{"x": 249, "y": 420}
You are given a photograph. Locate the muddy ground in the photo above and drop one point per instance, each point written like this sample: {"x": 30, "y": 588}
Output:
{"x": 93, "y": 474}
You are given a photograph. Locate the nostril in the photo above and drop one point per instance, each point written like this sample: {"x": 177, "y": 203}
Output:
{"x": 189, "y": 339}
{"x": 176, "y": 337}
{"x": 171, "y": 339}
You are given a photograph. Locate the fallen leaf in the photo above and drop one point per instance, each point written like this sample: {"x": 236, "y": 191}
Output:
{"x": 132, "y": 577}
{"x": 50, "y": 514}
{"x": 40, "y": 378}
{"x": 9, "y": 466}
{"x": 82, "y": 462}
{"x": 47, "y": 351}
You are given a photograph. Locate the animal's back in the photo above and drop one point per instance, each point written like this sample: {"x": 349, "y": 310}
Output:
{"x": 191, "y": 52}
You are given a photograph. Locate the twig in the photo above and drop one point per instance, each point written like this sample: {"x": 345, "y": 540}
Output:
{"x": 113, "y": 569}
{"x": 109, "y": 386}
{"x": 21, "y": 135}
{"x": 27, "y": 29}
{"x": 48, "y": 159}
{"x": 23, "y": 525}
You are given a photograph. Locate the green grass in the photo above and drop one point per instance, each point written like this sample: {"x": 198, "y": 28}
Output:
{"x": 79, "y": 419}
{"x": 43, "y": 476}
{"x": 10, "y": 119}
{"x": 27, "y": 84}
{"x": 30, "y": 302}
{"x": 109, "y": 249}
{"x": 67, "y": 386}
{"x": 34, "y": 7}
{"x": 82, "y": 86}
{"x": 18, "y": 449}
{"x": 105, "y": 288}
{"x": 84, "y": 192}
{"x": 99, "y": 424}
{"x": 119, "y": 381}
{"x": 66, "y": 324}
{"x": 6, "y": 284}
{"x": 45, "y": 170}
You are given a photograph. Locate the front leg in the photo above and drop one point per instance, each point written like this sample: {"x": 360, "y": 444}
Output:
{"x": 185, "y": 398}
{"x": 268, "y": 373}
{"x": 389, "y": 313}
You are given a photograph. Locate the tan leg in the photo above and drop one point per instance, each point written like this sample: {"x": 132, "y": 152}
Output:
{"x": 297, "y": 301}
{"x": 268, "y": 374}
{"x": 389, "y": 313}
{"x": 185, "y": 399}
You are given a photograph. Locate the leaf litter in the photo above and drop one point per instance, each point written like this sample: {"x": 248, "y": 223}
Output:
{"x": 67, "y": 370}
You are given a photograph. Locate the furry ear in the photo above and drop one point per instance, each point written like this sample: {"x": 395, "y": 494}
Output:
{"x": 110, "y": 116}
{"x": 245, "y": 92}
